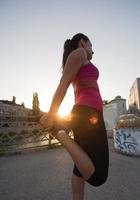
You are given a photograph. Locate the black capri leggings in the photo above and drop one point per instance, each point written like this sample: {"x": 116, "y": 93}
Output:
{"x": 89, "y": 132}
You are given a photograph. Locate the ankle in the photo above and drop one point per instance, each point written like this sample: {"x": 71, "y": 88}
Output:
{"x": 61, "y": 134}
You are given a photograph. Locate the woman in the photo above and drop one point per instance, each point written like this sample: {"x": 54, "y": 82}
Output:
{"x": 89, "y": 149}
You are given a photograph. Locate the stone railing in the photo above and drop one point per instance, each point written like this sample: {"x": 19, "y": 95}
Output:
{"x": 127, "y": 135}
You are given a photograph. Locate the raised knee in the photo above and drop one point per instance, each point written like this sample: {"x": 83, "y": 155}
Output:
{"x": 97, "y": 179}
{"x": 90, "y": 173}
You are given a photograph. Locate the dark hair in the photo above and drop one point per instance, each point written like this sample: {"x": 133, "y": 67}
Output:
{"x": 71, "y": 44}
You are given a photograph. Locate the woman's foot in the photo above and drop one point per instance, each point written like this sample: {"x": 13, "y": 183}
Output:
{"x": 60, "y": 125}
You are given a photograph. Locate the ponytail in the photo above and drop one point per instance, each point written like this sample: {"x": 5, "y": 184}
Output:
{"x": 70, "y": 45}
{"x": 67, "y": 50}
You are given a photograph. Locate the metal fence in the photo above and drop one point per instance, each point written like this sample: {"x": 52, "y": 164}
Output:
{"x": 20, "y": 139}
{"x": 21, "y": 136}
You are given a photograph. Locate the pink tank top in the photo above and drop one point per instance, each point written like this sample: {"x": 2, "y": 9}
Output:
{"x": 84, "y": 94}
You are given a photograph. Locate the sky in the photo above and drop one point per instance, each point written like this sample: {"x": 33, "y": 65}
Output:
{"x": 32, "y": 34}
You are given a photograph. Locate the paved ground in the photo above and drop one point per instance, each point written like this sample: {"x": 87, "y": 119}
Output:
{"x": 46, "y": 175}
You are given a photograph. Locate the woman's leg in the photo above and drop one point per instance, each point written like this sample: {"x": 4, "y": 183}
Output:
{"x": 78, "y": 155}
{"x": 78, "y": 186}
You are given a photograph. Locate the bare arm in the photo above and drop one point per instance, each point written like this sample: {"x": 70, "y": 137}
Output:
{"x": 75, "y": 60}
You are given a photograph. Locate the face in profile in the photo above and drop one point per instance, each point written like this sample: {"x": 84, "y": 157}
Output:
{"x": 87, "y": 45}
{"x": 88, "y": 48}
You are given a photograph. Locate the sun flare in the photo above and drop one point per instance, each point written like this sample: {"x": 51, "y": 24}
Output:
{"x": 64, "y": 111}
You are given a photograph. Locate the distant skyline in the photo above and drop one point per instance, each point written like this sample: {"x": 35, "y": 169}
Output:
{"x": 32, "y": 34}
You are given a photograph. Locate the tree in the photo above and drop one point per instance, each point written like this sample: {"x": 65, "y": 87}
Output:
{"x": 105, "y": 102}
{"x": 14, "y": 99}
{"x": 22, "y": 104}
{"x": 35, "y": 104}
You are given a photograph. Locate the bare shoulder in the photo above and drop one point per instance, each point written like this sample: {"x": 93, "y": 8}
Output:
{"x": 79, "y": 55}
{"x": 74, "y": 62}
{"x": 80, "y": 51}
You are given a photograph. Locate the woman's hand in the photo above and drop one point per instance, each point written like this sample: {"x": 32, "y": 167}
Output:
{"x": 47, "y": 120}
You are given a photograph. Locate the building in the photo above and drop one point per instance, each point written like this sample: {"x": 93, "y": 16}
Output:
{"x": 10, "y": 111}
{"x": 112, "y": 110}
{"x": 134, "y": 97}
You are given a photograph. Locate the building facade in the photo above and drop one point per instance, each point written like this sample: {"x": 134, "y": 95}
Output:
{"x": 112, "y": 111}
{"x": 134, "y": 97}
{"x": 10, "y": 111}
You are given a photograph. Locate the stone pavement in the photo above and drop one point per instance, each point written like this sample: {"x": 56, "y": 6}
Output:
{"x": 46, "y": 175}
